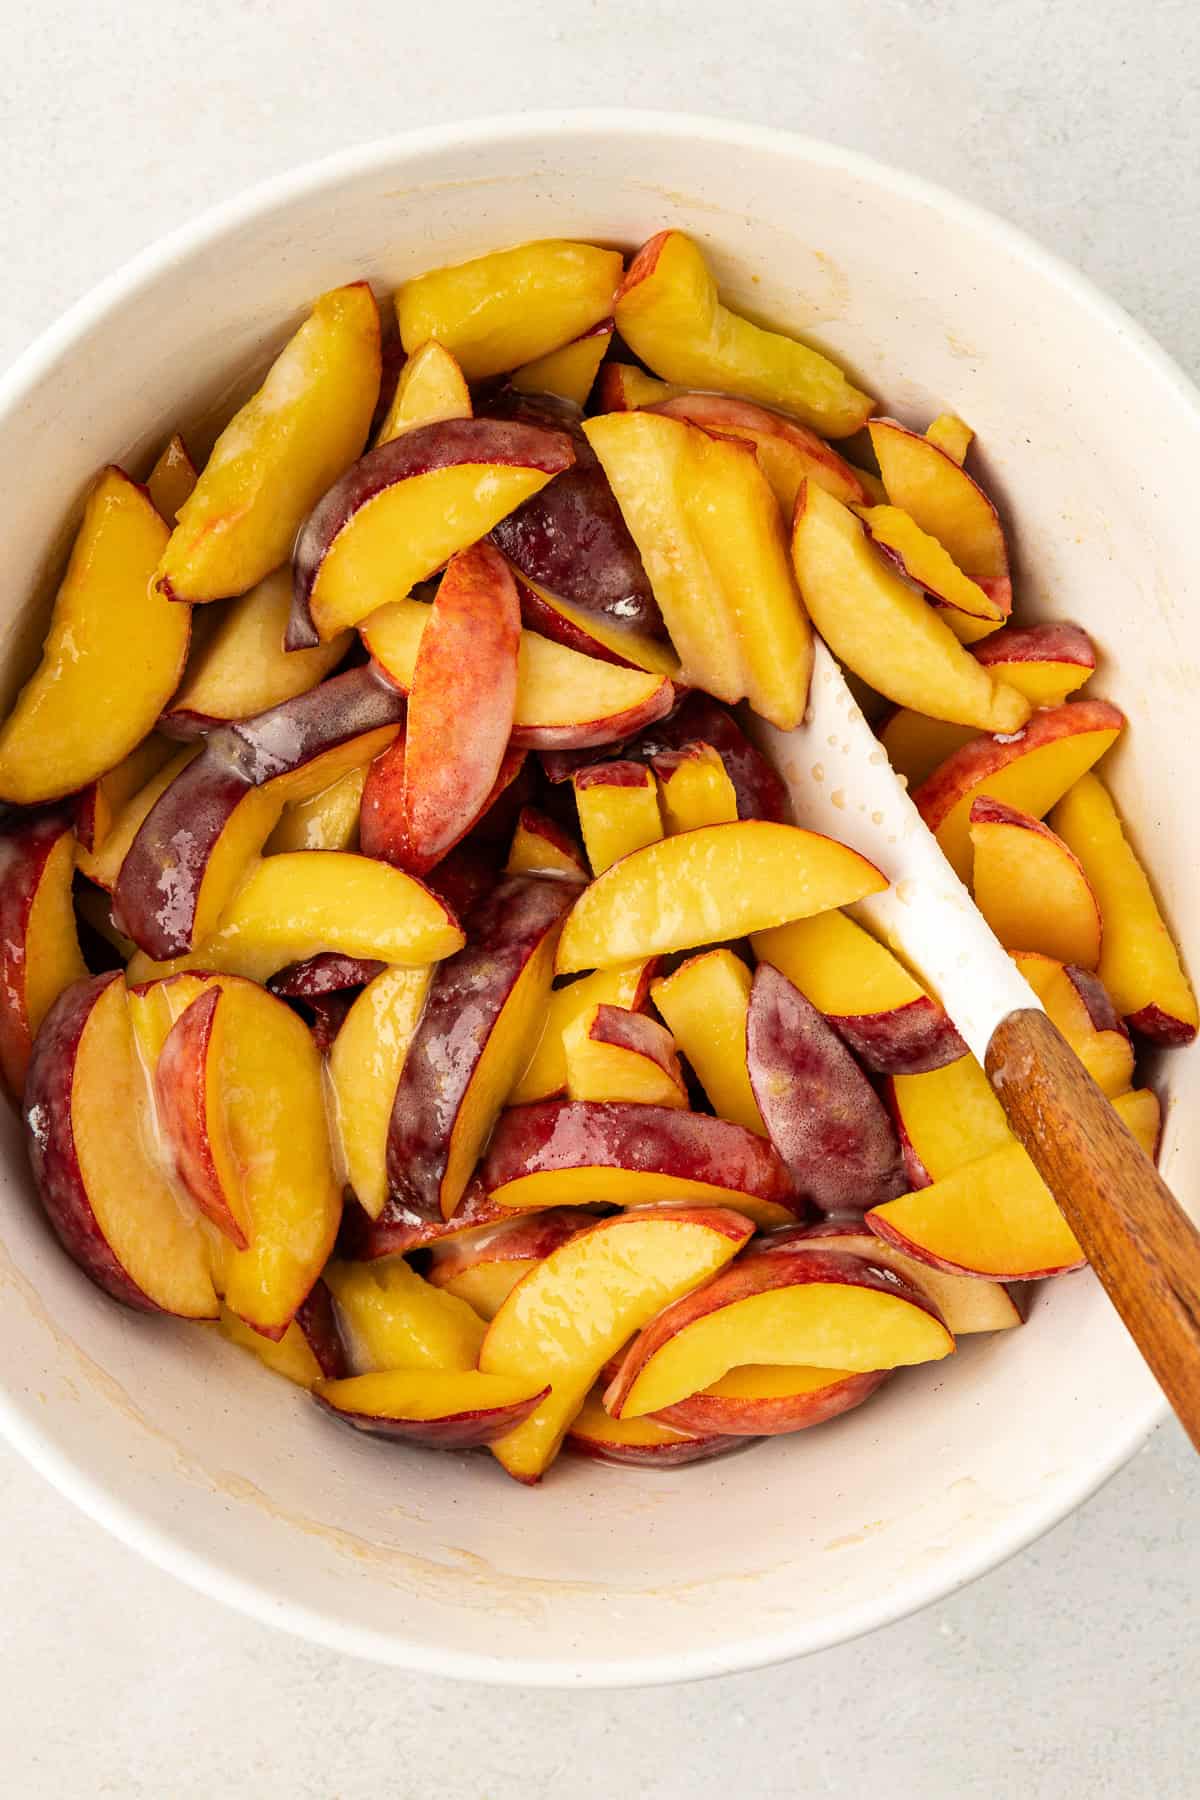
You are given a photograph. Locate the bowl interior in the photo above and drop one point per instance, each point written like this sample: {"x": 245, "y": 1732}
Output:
{"x": 1089, "y": 440}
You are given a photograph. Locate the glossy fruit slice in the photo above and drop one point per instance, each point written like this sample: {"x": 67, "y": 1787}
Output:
{"x": 364, "y": 1070}
{"x": 433, "y": 1409}
{"x": 39, "y": 944}
{"x": 705, "y": 1002}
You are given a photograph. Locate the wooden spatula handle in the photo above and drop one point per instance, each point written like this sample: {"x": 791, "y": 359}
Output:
{"x": 1137, "y": 1238}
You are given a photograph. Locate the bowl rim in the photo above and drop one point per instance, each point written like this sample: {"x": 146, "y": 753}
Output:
{"x": 167, "y": 1549}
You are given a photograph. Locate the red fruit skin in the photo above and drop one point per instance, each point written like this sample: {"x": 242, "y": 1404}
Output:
{"x": 822, "y": 1114}
{"x": 465, "y": 997}
{"x": 465, "y": 878}
{"x": 458, "y": 1431}
{"x": 537, "y": 616}
{"x": 624, "y": 774}
{"x": 398, "y": 1229}
{"x": 181, "y": 1078}
{"x": 571, "y": 537}
{"x": 328, "y": 1015}
{"x": 157, "y": 890}
{"x": 656, "y": 1140}
{"x": 772, "y": 1417}
{"x": 24, "y": 851}
{"x": 909, "y": 1040}
{"x": 700, "y": 1448}
{"x": 316, "y": 1319}
{"x": 1053, "y": 641}
{"x": 326, "y": 973}
{"x": 519, "y": 1237}
{"x": 446, "y": 444}
{"x": 940, "y": 792}
{"x": 383, "y": 819}
{"x": 50, "y": 1141}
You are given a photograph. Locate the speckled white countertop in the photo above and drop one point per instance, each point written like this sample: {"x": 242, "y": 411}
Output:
{"x": 1070, "y": 1672}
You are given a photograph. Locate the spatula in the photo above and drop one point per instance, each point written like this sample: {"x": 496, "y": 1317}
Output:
{"x": 1137, "y": 1238}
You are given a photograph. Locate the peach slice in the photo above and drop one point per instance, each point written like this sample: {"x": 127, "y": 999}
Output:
{"x": 765, "y": 1400}
{"x": 1030, "y": 887}
{"x": 86, "y": 1111}
{"x": 756, "y": 782}
{"x": 563, "y": 699}
{"x": 926, "y": 563}
{"x": 431, "y": 388}
{"x": 460, "y": 702}
{"x": 571, "y": 372}
{"x": 694, "y": 789}
{"x": 619, "y": 811}
{"x": 540, "y": 846}
{"x": 545, "y": 1074}
{"x": 279, "y": 454}
{"x": 364, "y": 1069}
{"x": 190, "y": 1097}
{"x": 502, "y": 310}
{"x": 101, "y": 802}
{"x": 707, "y": 525}
{"x": 668, "y": 312}
{"x": 614, "y": 1054}
{"x": 403, "y": 509}
{"x": 483, "y": 1267}
{"x": 39, "y": 944}
{"x": 292, "y": 906}
{"x": 389, "y": 1317}
{"x": 309, "y": 1350}
{"x": 1044, "y": 662}
{"x": 1080, "y": 1005}
{"x": 824, "y": 1310}
{"x": 626, "y": 388}
{"x": 967, "y": 1304}
{"x": 91, "y": 700}
{"x": 578, "y": 1153}
{"x": 952, "y": 435}
{"x": 883, "y": 629}
{"x": 433, "y": 1409}
{"x": 869, "y": 998}
{"x": 324, "y": 974}
{"x": 932, "y": 487}
{"x": 102, "y": 863}
{"x": 995, "y": 1216}
{"x": 705, "y": 1002}
{"x": 641, "y": 1443}
{"x": 1139, "y": 963}
{"x": 593, "y": 633}
{"x": 721, "y": 882}
{"x": 821, "y": 1113}
{"x": 581, "y": 1304}
{"x": 238, "y": 666}
{"x": 916, "y": 746}
{"x": 171, "y": 479}
{"x": 398, "y": 1230}
{"x": 383, "y": 814}
{"x": 200, "y": 836}
{"x": 787, "y": 452}
{"x": 326, "y": 821}
{"x": 945, "y": 1118}
{"x": 1030, "y": 769}
{"x": 481, "y": 1019}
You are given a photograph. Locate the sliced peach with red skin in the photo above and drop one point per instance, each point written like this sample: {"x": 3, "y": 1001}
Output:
{"x": 579, "y": 1305}
{"x": 172, "y": 478}
{"x": 461, "y": 702}
{"x": 694, "y": 789}
{"x": 578, "y": 1152}
{"x": 383, "y": 813}
{"x": 1139, "y": 963}
{"x": 883, "y": 629}
{"x": 923, "y": 560}
{"x": 39, "y": 944}
{"x": 1031, "y": 769}
{"x": 484, "y": 1010}
{"x": 592, "y": 633}
{"x": 92, "y": 698}
{"x": 825, "y": 1310}
{"x": 570, "y": 372}
{"x": 615, "y": 1054}
{"x": 705, "y": 1001}
{"x": 286, "y": 446}
{"x": 669, "y": 313}
{"x": 200, "y": 836}
{"x": 619, "y": 811}
{"x": 718, "y": 883}
{"x": 870, "y": 999}
{"x": 100, "y": 804}
{"x": 788, "y": 453}
{"x": 430, "y": 387}
{"x": 364, "y": 1070}
{"x": 501, "y": 310}
{"x": 390, "y": 1317}
{"x": 995, "y": 1216}
{"x": 641, "y": 1443}
{"x": 767, "y": 1400}
{"x": 433, "y": 1409}
{"x": 109, "y": 1203}
{"x": 398, "y": 1229}
{"x": 626, "y": 388}
{"x": 190, "y": 1105}
{"x": 934, "y": 489}
{"x": 545, "y": 1073}
{"x": 1030, "y": 887}
{"x": 917, "y": 745}
{"x": 967, "y": 1304}
{"x": 945, "y": 1118}
{"x": 1044, "y": 662}
{"x": 483, "y": 1267}
{"x": 1080, "y": 1005}
{"x": 238, "y": 666}
{"x": 540, "y": 846}
{"x": 102, "y": 864}
{"x": 309, "y": 1351}
{"x": 821, "y": 1113}
{"x": 326, "y": 973}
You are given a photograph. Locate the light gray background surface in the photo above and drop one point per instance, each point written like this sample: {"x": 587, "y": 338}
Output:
{"x": 1070, "y": 1672}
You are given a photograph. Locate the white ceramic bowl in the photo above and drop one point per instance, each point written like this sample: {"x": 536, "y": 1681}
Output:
{"x": 214, "y": 1469}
